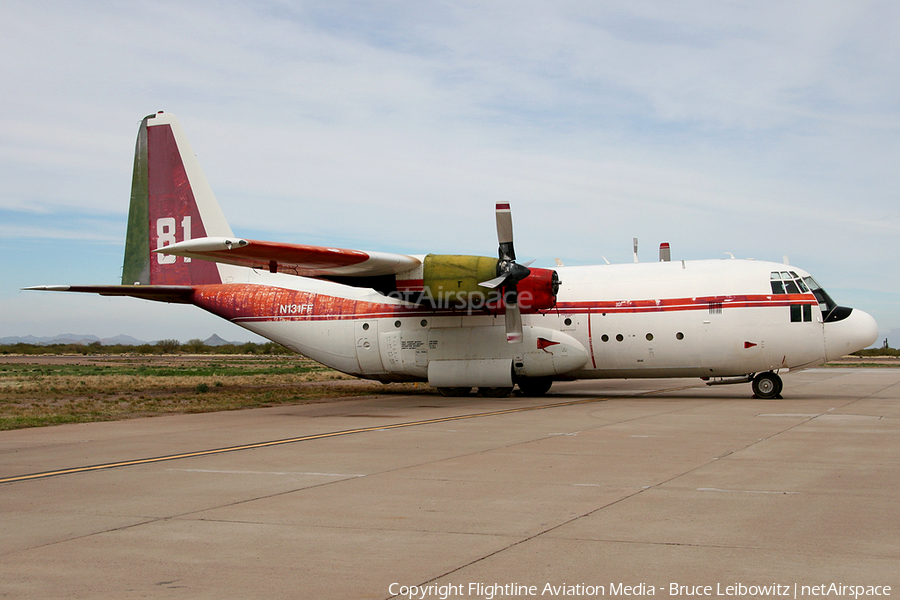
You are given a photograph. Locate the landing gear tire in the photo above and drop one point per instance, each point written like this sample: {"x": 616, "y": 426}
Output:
{"x": 535, "y": 386}
{"x": 767, "y": 386}
{"x": 454, "y": 392}
{"x": 498, "y": 392}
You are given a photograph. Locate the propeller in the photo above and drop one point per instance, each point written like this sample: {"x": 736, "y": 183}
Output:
{"x": 509, "y": 273}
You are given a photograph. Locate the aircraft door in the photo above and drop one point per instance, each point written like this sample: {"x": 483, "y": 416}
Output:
{"x": 392, "y": 360}
{"x": 404, "y": 352}
{"x": 367, "y": 351}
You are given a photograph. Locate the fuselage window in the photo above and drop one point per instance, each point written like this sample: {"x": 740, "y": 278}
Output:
{"x": 801, "y": 313}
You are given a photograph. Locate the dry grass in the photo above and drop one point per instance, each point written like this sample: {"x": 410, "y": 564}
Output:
{"x": 35, "y": 394}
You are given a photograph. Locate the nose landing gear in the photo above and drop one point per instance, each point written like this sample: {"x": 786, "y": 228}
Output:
{"x": 767, "y": 386}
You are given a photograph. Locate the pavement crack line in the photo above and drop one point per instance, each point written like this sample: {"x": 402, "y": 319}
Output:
{"x": 317, "y": 436}
{"x": 614, "y": 503}
{"x": 152, "y": 520}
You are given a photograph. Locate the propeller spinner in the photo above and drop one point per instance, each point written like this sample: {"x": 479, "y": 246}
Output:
{"x": 509, "y": 273}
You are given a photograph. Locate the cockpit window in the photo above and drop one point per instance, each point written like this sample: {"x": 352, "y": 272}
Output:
{"x": 784, "y": 282}
{"x": 826, "y": 304}
{"x": 788, "y": 282}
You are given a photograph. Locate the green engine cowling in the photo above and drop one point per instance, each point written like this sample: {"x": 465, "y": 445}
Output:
{"x": 451, "y": 281}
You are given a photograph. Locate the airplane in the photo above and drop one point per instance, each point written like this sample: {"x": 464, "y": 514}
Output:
{"x": 461, "y": 322}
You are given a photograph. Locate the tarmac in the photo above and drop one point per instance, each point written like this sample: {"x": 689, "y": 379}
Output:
{"x": 640, "y": 487}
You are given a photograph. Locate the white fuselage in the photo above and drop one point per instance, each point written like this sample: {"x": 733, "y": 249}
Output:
{"x": 714, "y": 318}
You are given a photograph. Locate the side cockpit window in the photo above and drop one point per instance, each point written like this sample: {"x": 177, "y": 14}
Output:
{"x": 826, "y": 304}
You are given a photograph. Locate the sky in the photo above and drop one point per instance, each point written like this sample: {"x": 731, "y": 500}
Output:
{"x": 763, "y": 129}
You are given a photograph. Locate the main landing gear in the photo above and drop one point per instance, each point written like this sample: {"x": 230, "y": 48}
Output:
{"x": 529, "y": 386}
{"x": 487, "y": 392}
{"x": 767, "y": 386}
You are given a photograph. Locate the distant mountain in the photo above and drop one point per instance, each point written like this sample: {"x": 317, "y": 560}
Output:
{"x": 215, "y": 340}
{"x": 75, "y": 338}
{"x": 124, "y": 340}
{"x": 20, "y": 339}
{"x": 72, "y": 338}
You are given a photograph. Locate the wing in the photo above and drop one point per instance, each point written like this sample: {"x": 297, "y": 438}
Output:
{"x": 295, "y": 259}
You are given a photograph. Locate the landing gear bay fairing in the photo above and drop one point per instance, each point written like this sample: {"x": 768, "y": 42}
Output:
{"x": 462, "y": 322}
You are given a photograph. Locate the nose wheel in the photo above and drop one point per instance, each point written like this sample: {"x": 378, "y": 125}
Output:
{"x": 767, "y": 386}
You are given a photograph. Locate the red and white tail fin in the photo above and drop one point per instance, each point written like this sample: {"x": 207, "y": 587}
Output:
{"x": 171, "y": 201}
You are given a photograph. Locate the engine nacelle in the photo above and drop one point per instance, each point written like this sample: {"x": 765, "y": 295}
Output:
{"x": 451, "y": 281}
{"x": 538, "y": 290}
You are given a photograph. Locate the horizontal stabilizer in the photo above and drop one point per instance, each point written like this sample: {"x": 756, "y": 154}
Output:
{"x": 161, "y": 293}
{"x": 294, "y": 259}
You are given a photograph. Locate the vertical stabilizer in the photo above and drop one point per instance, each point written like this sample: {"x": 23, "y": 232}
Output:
{"x": 171, "y": 201}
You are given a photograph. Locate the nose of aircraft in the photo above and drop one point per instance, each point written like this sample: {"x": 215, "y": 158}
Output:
{"x": 855, "y": 332}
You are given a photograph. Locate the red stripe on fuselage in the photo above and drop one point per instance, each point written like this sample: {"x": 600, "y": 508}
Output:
{"x": 676, "y": 304}
{"x": 247, "y": 302}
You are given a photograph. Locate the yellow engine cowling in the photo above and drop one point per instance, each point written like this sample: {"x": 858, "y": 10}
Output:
{"x": 450, "y": 281}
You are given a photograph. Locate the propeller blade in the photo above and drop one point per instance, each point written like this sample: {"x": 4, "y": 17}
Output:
{"x": 504, "y": 223}
{"x": 493, "y": 283}
{"x": 505, "y": 231}
{"x": 509, "y": 273}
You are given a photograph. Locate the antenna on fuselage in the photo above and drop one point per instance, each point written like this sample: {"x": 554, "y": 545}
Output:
{"x": 635, "y": 250}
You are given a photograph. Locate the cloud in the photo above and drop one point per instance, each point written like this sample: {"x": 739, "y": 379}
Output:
{"x": 761, "y": 129}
